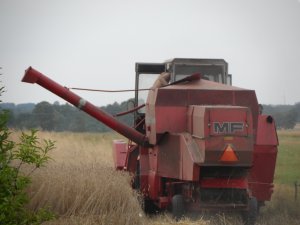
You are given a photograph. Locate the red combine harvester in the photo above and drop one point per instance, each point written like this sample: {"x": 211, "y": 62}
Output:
{"x": 198, "y": 143}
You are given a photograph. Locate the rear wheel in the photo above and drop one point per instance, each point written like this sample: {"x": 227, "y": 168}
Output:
{"x": 249, "y": 216}
{"x": 177, "y": 206}
{"x": 147, "y": 205}
{"x": 150, "y": 207}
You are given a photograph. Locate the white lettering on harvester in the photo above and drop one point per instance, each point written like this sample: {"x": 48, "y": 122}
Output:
{"x": 228, "y": 127}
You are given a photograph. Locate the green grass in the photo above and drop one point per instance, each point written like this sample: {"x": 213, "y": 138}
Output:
{"x": 288, "y": 158}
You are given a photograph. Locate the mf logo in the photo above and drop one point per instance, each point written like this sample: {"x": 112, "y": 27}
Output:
{"x": 228, "y": 127}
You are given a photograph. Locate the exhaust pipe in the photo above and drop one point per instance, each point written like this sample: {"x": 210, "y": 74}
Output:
{"x": 33, "y": 76}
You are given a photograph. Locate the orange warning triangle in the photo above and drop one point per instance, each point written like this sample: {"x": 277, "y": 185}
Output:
{"x": 229, "y": 155}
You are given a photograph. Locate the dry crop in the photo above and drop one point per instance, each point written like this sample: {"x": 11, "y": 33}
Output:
{"x": 81, "y": 186}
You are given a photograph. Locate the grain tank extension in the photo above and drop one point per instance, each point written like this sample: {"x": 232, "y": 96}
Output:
{"x": 197, "y": 144}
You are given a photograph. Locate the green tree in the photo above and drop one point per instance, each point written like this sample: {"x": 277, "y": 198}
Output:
{"x": 297, "y": 108}
{"x": 290, "y": 119}
{"x": 286, "y": 120}
{"x": 13, "y": 183}
{"x": 44, "y": 114}
{"x": 25, "y": 121}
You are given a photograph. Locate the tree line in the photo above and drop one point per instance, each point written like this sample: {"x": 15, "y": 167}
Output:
{"x": 286, "y": 116}
{"x": 65, "y": 117}
{"x": 57, "y": 117}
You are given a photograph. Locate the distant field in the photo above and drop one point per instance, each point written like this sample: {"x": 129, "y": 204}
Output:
{"x": 81, "y": 186}
{"x": 288, "y": 163}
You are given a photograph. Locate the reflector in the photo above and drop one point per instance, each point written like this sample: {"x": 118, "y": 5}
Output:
{"x": 229, "y": 155}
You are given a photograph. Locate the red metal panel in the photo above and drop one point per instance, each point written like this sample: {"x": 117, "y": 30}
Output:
{"x": 262, "y": 191}
{"x": 210, "y": 97}
{"x": 132, "y": 158}
{"x": 169, "y": 162}
{"x": 262, "y": 172}
{"x": 201, "y": 127}
{"x": 153, "y": 154}
{"x": 154, "y": 183}
{"x": 248, "y": 99}
{"x": 265, "y": 154}
{"x": 179, "y": 156}
{"x": 208, "y": 93}
{"x": 119, "y": 153}
{"x": 191, "y": 157}
{"x": 144, "y": 170}
{"x": 264, "y": 163}
{"x": 171, "y": 97}
{"x": 170, "y": 119}
{"x": 193, "y": 93}
{"x": 266, "y": 131}
{"x": 198, "y": 121}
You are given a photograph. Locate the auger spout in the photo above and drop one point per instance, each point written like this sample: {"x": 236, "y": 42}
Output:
{"x": 33, "y": 76}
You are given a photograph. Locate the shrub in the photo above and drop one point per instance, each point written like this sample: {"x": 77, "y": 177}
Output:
{"x": 28, "y": 152}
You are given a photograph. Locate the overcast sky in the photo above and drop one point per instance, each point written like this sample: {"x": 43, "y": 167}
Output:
{"x": 95, "y": 44}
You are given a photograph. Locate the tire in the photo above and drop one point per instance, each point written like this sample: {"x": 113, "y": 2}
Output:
{"x": 250, "y": 216}
{"x": 178, "y": 206}
{"x": 147, "y": 205}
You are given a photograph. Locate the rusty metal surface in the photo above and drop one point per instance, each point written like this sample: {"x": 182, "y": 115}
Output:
{"x": 119, "y": 153}
{"x": 266, "y": 132}
{"x": 264, "y": 159}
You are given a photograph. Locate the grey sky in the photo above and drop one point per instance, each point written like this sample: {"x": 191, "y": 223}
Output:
{"x": 94, "y": 44}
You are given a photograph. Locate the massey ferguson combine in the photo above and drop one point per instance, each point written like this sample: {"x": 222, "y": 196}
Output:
{"x": 198, "y": 143}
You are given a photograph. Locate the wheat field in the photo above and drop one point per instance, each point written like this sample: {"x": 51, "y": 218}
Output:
{"x": 81, "y": 186}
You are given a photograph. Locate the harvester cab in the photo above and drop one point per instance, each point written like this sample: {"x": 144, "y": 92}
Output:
{"x": 147, "y": 73}
{"x": 196, "y": 145}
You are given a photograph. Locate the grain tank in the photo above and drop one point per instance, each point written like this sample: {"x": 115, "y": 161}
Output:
{"x": 198, "y": 143}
